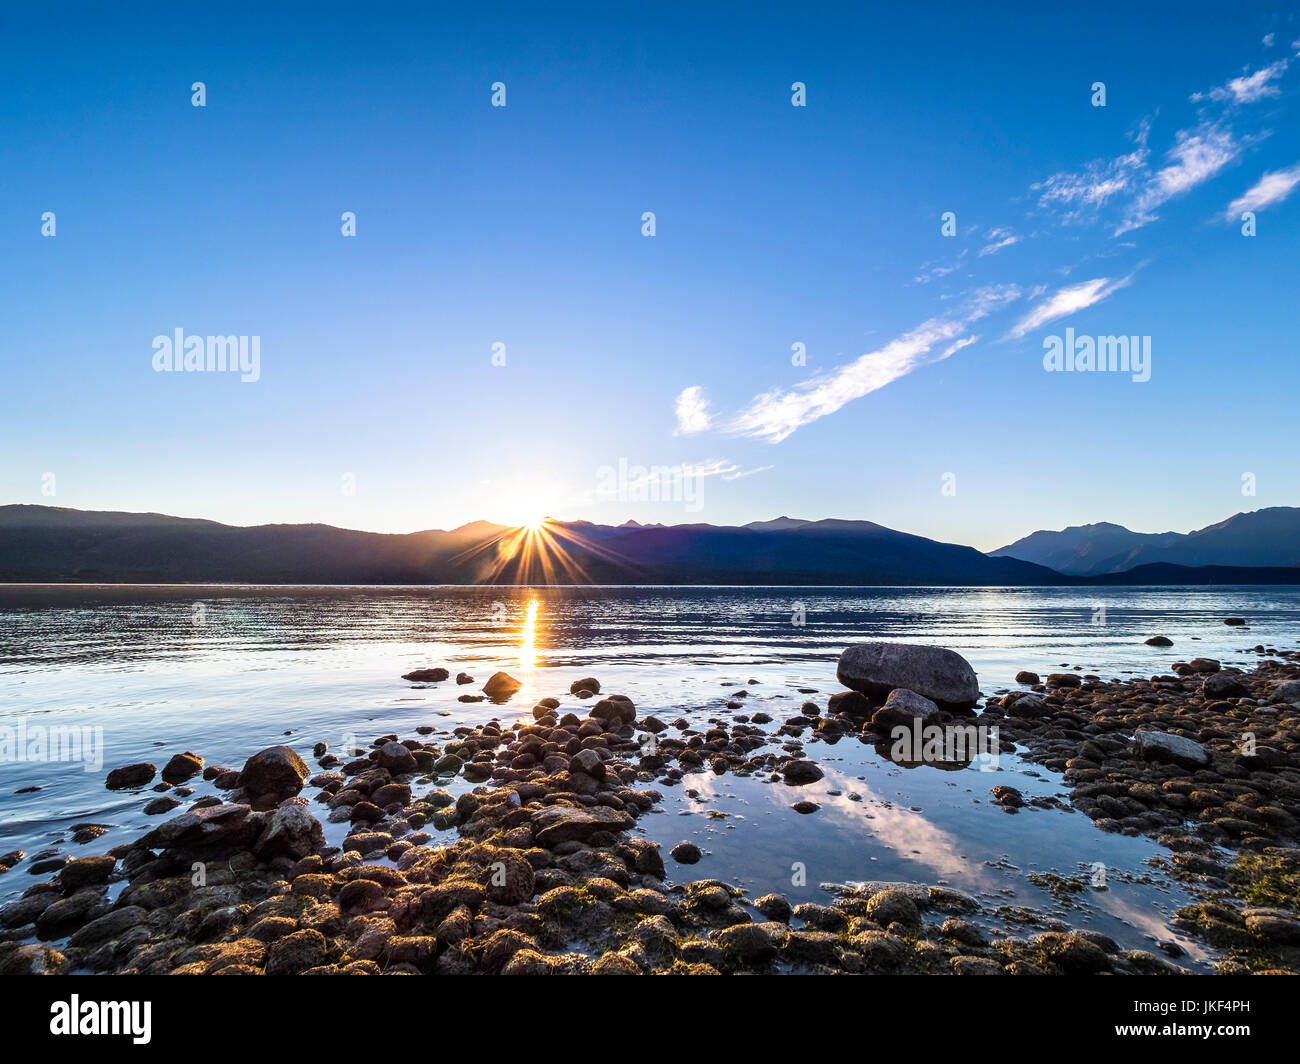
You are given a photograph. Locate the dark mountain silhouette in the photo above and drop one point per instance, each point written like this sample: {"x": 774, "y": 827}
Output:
{"x": 40, "y": 544}
{"x": 1269, "y": 537}
{"x": 47, "y": 544}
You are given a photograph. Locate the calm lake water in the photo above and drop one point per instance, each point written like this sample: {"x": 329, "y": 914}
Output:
{"x": 227, "y": 671}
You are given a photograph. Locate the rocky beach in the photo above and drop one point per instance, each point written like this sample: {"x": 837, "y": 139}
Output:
{"x": 515, "y": 845}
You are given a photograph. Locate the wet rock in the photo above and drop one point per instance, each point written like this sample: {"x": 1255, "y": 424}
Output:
{"x": 396, "y": 758}
{"x": 941, "y": 675}
{"x": 685, "y": 853}
{"x": 1072, "y": 953}
{"x": 774, "y": 907}
{"x": 966, "y": 965}
{"x": 878, "y": 949}
{"x": 181, "y": 767}
{"x": 164, "y": 803}
{"x": 849, "y": 704}
{"x": 799, "y": 772}
{"x": 435, "y": 675}
{"x": 618, "y": 708}
{"x": 214, "y": 826}
{"x": 1027, "y": 707}
{"x": 131, "y": 776}
{"x": 1223, "y": 685}
{"x": 291, "y": 831}
{"x": 110, "y": 925}
{"x": 1159, "y": 641}
{"x": 274, "y": 772}
{"x": 1277, "y": 925}
{"x": 963, "y": 931}
{"x": 590, "y": 684}
{"x": 32, "y": 959}
{"x": 511, "y": 880}
{"x": 558, "y": 824}
{"x": 893, "y": 906}
{"x": 1008, "y": 797}
{"x": 296, "y": 953}
{"x": 746, "y": 944}
{"x": 903, "y": 707}
{"x": 27, "y": 909}
{"x": 1027, "y": 677}
{"x": 1162, "y": 746}
{"x": 86, "y": 872}
{"x": 615, "y": 964}
{"x": 72, "y": 911}
{"x": 501, "y": 685}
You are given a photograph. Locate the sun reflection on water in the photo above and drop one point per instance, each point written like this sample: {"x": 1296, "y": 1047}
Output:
{"x": 528, "y": 636}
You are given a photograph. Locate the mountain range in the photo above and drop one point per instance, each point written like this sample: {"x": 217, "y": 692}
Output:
{"x": 40, "y": 544}
{"x": 1269, "y": 537}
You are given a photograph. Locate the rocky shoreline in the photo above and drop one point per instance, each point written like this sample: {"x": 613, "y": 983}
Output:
{"x": 547, "y": 874}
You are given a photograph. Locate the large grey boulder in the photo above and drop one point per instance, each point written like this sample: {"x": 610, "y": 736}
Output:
{"x": 941, "y": 675}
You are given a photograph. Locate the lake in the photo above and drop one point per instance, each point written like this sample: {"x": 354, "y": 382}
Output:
{"x": 226, "y": 671}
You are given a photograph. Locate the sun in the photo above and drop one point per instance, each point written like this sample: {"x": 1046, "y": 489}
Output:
{"x": 535, "y": 524}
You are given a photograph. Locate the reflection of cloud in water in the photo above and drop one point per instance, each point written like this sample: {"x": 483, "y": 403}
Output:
{"x": 907, "y": 833}
{"x": 1146, "y": 919}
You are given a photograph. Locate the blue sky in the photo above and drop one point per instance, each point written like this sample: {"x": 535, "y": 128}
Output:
{"x": 775, "y": 225}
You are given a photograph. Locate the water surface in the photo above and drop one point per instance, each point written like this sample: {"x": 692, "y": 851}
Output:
{"x": 227, "y": 671}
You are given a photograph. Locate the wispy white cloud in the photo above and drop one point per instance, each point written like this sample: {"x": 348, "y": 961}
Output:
{"x": 774, "y": 415}
{"x": 1080, "y": 194}
{"x": 1273, "y": 187}
{"x": 1068, "y": 300}
{"x": 709, "y": 467}
{"x": 1249, "y": 88}
{"x": 693, "y": 414}
{"x": 1268, "y": 40}
{"x": 1198, "y": 155}
{"x": 931, "y": 272}
{"x": 999, "y": 237}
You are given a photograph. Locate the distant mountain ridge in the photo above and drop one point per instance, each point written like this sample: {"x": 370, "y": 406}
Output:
{"x": 42, "y": 544}
{"x": 1267, "y": 537}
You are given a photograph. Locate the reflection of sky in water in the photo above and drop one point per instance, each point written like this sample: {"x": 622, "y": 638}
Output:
{"x": 323, "y": 664}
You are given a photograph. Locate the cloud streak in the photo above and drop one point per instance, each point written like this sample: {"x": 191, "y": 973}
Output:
{"x": 1273, "y": 187}
{"x": 1198, "y": 155}
{"x": 775, "y": 415}
{"x": 1066, "y": 301}
{"x": 1249, "y": 88}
